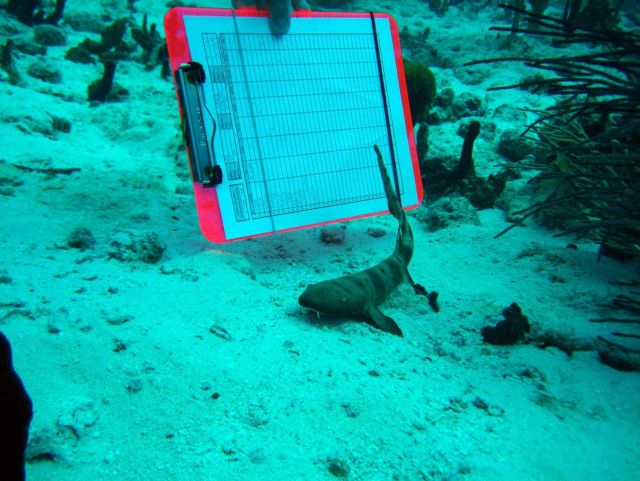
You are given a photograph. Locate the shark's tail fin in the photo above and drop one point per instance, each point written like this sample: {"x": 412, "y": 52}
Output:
{"x": 404, "y": 243}
{"x": 392, "y": 199}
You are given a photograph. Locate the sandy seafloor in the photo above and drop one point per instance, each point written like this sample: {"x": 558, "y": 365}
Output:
{"x": 129, "y": 382}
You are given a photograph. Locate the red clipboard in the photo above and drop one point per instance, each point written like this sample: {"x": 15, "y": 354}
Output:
{"x": 215, "y": 211}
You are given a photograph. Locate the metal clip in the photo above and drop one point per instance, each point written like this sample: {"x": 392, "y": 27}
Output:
{"x": 204, "y": 168}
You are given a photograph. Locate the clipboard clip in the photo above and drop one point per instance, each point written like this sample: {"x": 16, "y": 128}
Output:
{"x": 190, "y": 79}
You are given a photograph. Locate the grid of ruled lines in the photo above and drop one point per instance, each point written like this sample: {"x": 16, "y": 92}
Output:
{"x": 317, "y": 109}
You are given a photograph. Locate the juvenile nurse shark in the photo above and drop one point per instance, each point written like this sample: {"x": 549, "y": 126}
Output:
{"x": 360, "y": 293}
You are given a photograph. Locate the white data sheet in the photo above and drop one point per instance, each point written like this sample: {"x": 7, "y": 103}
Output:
{"x": 296, "y": 118}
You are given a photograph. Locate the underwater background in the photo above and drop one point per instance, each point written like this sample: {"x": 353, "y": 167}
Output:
{"x": 150, "y": 353}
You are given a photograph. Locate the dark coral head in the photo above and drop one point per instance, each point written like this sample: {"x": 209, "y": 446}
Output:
{"x": 421, "y": 88}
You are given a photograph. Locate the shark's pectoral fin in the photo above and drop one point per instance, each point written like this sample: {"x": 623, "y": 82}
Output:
{"x": 384, "y": 323}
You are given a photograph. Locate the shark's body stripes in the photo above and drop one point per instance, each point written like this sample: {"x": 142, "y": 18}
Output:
{"x": 359, "y": 294}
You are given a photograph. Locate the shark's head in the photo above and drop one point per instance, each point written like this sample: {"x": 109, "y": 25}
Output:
{"x": 331, "y": 298}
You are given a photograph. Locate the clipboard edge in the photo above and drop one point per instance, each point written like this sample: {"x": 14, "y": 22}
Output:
{"x": 207, "y": 204}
